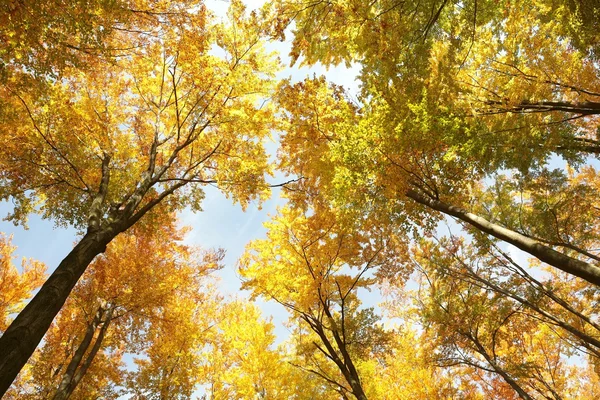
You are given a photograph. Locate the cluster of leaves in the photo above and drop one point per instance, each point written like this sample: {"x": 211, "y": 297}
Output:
{"x": 15, "y": 287}
{"x": 115, "y": 114}
{"x": 467, "y": 116}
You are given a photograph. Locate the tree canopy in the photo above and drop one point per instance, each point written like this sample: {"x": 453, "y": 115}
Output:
{"x": 436, "y": 234}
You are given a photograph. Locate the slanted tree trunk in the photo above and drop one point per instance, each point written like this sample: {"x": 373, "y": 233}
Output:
{"x": 27, "y": 330}
{"x": 547, "y": 254}
{"x": 350, "y": 372}
{"x": 21, "y": 338}
{"x": 490, "y": 360}
{"x": 76, "y": 370}
{"x": 345, "y": 363}
{"x": 581, "y": 108}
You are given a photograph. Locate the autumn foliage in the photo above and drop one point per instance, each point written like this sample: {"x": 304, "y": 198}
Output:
{"x": 437, "y": 234}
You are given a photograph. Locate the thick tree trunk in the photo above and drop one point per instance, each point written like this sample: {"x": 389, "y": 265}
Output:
{"x": 544, "y": 253}
{"x": 27, "y": 330}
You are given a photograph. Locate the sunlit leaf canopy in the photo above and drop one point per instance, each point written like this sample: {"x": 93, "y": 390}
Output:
{"x": 187, "y": 104}
{"x": 459, "y": 186}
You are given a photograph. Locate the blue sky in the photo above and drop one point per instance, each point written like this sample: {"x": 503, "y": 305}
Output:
{"x": 221, "y": 224}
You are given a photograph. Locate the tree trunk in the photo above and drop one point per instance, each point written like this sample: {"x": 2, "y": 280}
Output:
{"x": 513, "y": 384}
{"x": 582, "y": 108}
{"x": 357, "y": 390}
{"x": 27, "y": 330}
{"x": 581, "y": 148}
{"x": 347, "y": 365}
{"x": 544, "y": 253}
{"x": 78, "y": 356}
{"x": 351, "y": 372}
{"x": 75, "y": 372}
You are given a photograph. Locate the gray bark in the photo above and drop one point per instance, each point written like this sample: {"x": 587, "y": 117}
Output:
{"x": 76, "y": 370}
{"x": 573, "y": 266}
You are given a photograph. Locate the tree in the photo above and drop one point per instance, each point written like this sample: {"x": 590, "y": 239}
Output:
{"x": 404, "y": 371}
{"x": 115, "y": 114}
{"x": 313, "y": 265}
{"x": 241, "y": 361}
{"x": 105, "y": 146}
{"x": 146, "y": 282}
{"x": 170, "y": 366}
{"x": 466, "y": 90}
{"x": 487, "y": 51}
{"x": 489, "y": 321}
{"x": 376, "y": 170}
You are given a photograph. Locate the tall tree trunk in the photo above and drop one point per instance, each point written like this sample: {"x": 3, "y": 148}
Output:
{"x": 27, "y": 330}
{"x": 544, "y": 253}
{"x": 76, "y": 370}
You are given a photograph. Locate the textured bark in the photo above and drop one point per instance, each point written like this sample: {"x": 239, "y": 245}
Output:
{"x": 544, "y": 253}
{"x": 27, "y": 330}
{"x": 76, "y": 369}
{"x": 61, "y": 393}
{"x": 581, "y": 108}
